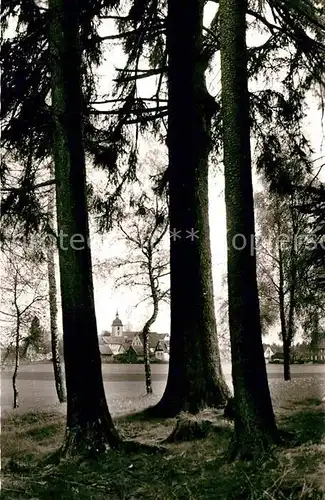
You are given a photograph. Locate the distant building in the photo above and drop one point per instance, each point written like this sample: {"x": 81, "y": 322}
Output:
{"x": 120, "y": 342}
{"x": 268, "y": 353}
{"x": 117, "y": 327}
{"x": 162, "y": 351}
{"x": 318, "y": 352}
{"x": 301, "y": 352}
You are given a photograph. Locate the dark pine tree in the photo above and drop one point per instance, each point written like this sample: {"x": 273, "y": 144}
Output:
{"x": 89, "y": 425}
{"x": 195, "y": 378}
{"x": 255, "y": 427}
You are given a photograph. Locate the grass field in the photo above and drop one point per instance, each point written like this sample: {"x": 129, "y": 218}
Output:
{"x": 190, "y": 471}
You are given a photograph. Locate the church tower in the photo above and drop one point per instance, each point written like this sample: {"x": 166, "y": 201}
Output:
{"x": 117, "y": 327}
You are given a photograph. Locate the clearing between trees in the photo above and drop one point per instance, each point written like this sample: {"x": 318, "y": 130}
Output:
{"x": 196, "y": 469}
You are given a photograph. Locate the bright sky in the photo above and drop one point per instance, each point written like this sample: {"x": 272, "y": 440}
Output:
{"x": 109, "y": 300}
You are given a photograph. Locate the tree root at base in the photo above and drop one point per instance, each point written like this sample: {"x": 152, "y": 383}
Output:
{"x": 189, "y": 429}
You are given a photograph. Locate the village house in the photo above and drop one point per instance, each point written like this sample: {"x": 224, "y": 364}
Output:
{"x": 162, "y": 351}
{"x": 303, "y": 352}
{"x": 268, "y": 353}
{"x": 318, "y": 352}
{"x": 120, "y": 342}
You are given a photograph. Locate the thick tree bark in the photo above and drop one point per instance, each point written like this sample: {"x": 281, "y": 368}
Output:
{"x": 89, "y": 424}
{"x": 55, "y": 343}
{"x": 195, "y": 378}
{"x": 255, "y": 427}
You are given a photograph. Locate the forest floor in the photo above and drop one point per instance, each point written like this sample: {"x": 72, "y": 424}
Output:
{"x": 195, "y": 470}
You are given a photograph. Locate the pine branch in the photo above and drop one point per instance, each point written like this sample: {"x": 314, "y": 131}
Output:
{"x": 118, "y": 18}
{"x": 295, "y": 31}
{"x": 158, "y": 28}
{"x": 137, "y": 70}
{"x": 147, "y": 118}
{"x": 272, "y": 27}
{"x": 136, "y": 76}
{"x": 122, "y": 111}
{"x": 121, "y": 99}
{"x": 29, "y": 188}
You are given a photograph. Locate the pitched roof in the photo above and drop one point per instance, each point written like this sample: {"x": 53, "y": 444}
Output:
{"x": 114, "y": 340}
{"x": 105, "y": 350}
{"x": 163, "y": 335}
{"x": 130, "y": 335}
{"x": 104, "y": 340}
{"x": 154, "y": 338}
{"x": 117, "y": 321}
{"x": 161, "y": 346}
{"x": 137, "y": 349}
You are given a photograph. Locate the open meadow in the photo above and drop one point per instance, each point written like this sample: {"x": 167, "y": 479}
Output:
{"x": 194, "y": 470}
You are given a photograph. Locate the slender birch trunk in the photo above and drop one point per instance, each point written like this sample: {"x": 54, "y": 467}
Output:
{"x": 55, "y": 342}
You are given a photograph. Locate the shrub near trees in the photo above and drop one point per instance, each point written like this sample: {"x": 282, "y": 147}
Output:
{"x": 35, "y": 339}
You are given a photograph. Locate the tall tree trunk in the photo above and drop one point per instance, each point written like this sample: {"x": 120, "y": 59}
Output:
{"x": 287, "y": 340}
{"x": 288, "y": 323}
{"x": 17, "y": 345}
{"x": 55, "y": 343}
{"x": 283, "y": 322}
{"x": 286, "y": 359}
{"x": 146, "y": 355}
{"x": 292, "y": 301}
{"x": 89, "y": 424}
{"x": 14, "y": 376}
{"x": 195, "y": 378}
{"x": 255, "y": 426}
{"x": 146, "y": 329}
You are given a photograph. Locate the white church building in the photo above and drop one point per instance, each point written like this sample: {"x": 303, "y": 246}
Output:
{"x": 119, "y": 341}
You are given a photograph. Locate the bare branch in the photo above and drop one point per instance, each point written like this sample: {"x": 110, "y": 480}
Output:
{"x": 8, "y": 314}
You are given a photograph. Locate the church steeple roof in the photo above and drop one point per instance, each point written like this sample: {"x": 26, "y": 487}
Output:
{"x": 117, "y": 321}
